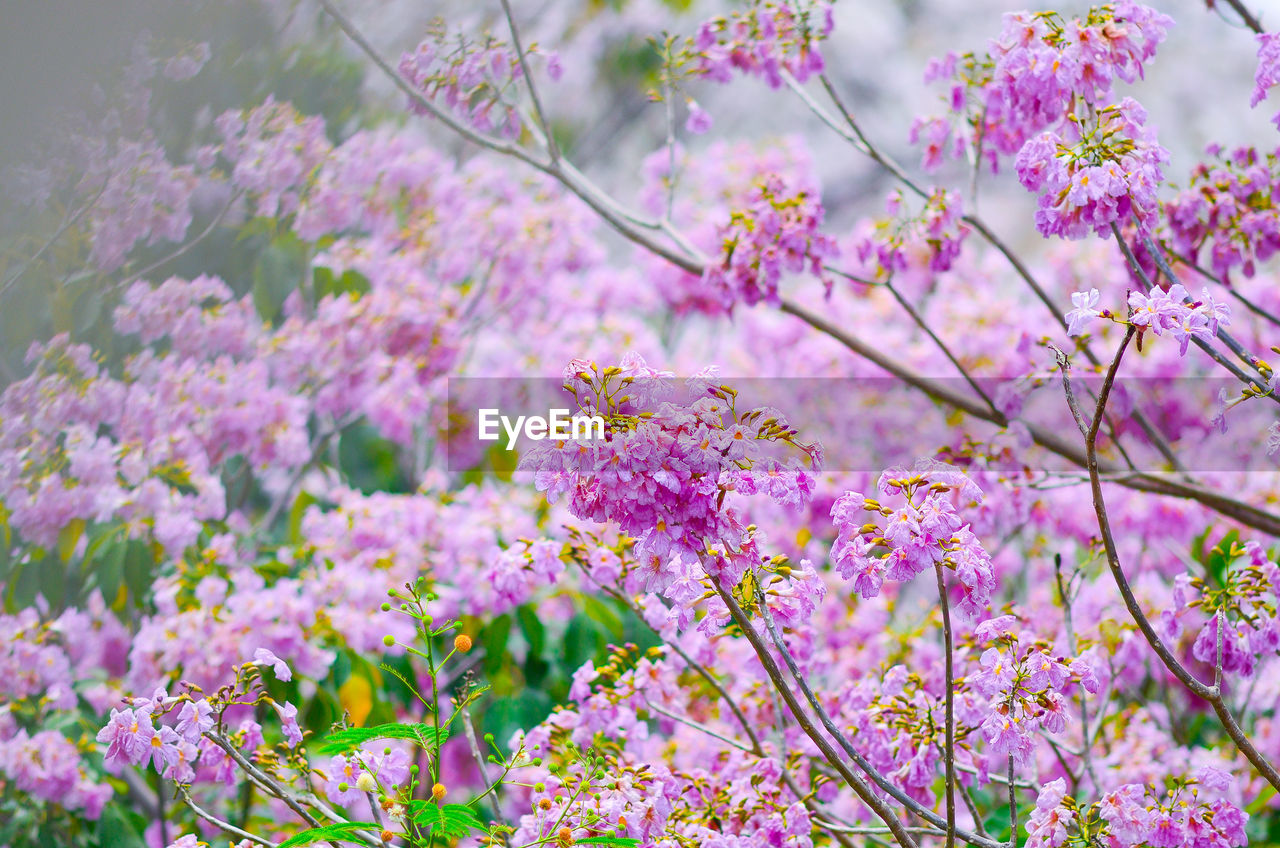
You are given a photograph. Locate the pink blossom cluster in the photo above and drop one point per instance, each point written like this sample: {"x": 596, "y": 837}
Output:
{"x": 926, "y": 530}
{"x": 58, "y": 467}
{"x": 664, "y": 468}
{"x": 927, "y": 242}
{"x": 1175, "y": 313}
{"x": 48, "y": 766}
{"x": 180, "y": 745}
{"x": 1268, "y": 73}
{"x": 1037, "y": 75}
{"x": 1192, "y": 814}
{"x": 1026, "y": 687}
{"x": 646, "y": 798}
{"x": 470, "y": 80}
{"x": 1246, "y": 608}
{"x": 43, "y": 667}
{"x": 1160, "y": 311}
{"x": 770, "y": 38}
{"x": 388, "y": 765}
{"x": 1090, "y": 179}
{"x": 705, "y": 189}
{"x": 140, "y": 198}
{"x": 779, "y": 229}
{"x": 273, "y": 152}
{"x": 1228, "y": 208}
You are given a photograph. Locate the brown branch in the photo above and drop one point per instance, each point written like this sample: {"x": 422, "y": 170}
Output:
{"x": 1212, "y": 694}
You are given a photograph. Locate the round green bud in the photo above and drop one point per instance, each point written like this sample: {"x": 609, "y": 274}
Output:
{"x": 388, "y": 640}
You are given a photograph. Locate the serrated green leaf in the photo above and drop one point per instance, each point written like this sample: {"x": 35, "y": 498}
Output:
{"x": 345, "y": 830}
{"x": 621, "y": 841}
{"x": 342, "y": 741}
{"x": 450, "y": 821}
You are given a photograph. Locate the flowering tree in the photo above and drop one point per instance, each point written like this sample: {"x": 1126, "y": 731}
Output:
{"x": 974, "y": 544}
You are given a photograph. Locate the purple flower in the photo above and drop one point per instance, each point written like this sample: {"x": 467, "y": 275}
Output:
{"x": 194, "y": 719}
{"x": 128, "y": 737}
{"x": 264, "y": 657}
{"x": 699, "y": 120}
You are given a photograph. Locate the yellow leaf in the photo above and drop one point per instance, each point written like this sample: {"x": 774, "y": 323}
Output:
{"x": 356, "y": 697}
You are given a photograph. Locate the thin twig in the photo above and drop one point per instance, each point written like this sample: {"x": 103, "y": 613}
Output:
{"x": 1247, "y": 17}
{"x": 68, "y": 222}
{"x": 862, "y": 762}
{"x": 226, "y": 827}
{"x": 950, "y": 753}
{"x": 1085, "y": 753}
{"x": 1013, "y": 809}
{"x": 1212, "y": 694}
{"x": 946, "y": 351}
{"x": 553, "y": 149}
{"x": 1247, "y": 514}
{"x": 832, "y": 756}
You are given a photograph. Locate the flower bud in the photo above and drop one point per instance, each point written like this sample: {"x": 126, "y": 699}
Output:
{"x": 366, "y": 783}
{"x": 462, "y": 643}
{"x": 388, "y": 640}
{"x": 438, "y": 791}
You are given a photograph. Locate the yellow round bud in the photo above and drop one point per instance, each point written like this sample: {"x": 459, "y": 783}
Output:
{"x": 462, "y": 643}
{"x": 366, "y": 783}
{"x": 438, "y": 791}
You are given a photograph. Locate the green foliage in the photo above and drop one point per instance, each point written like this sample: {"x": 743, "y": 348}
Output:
{"x": 342, "y": 741}
{"x": 450, "y": 821}
{"x": 347, "y": 831}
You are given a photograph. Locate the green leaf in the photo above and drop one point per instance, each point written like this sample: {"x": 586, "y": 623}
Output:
{"x": 607, "y": 840}
{"x": 535, "y": 632}
{"x": 22, "y": 588}
{"x": 52, "y": 573}
{"x": 342, "y": 741}
{"x": 115, "y": 831}
{"x": 138, "y": 563}
{"x": 582, "y": 641}
{"x": 296, "y": 512}
{"x": 450, "y": 821}
{"x": 328, "y": 285}
{"x": 494, "y": 637}
{"x": 1218, "y": 558}
{"x": 69, "y": 537}
{"x": 276, "y": 273}
{"x": 602, "y": 614}
{"x": 110, "y": 570}
{"x": 345, "y": 830}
